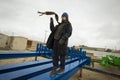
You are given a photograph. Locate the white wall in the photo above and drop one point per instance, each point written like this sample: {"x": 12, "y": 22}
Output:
{"x": 19, "y": 43}
{"x": 3, "y": 40}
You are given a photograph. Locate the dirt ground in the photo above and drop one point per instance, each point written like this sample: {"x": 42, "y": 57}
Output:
{"x": 20, "y": 60}
{"x": 91, "y": 75}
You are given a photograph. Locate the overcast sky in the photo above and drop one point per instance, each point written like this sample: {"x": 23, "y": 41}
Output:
{"x": 95, "y": 23}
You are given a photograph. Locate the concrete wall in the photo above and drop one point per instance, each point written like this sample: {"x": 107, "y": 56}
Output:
{"x": 19, "y": 43}
{"x": 32, "y": 45}
{"x": 16, "y": 43}
{"x": 4, "y": 42}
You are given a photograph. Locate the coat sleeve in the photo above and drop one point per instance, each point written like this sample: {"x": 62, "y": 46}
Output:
{"x": 51, "y": 26}
{"x": 68, "y": 32}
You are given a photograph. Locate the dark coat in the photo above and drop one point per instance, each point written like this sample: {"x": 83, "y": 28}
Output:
{"x": 66, "y": 33}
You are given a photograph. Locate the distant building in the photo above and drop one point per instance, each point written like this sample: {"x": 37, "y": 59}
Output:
{"x": 18, "y": 43}
{"x": 31, "y": 45}
{"x": 12, "y": 42}
{"x": 90, "y": 48}
{"x": 4, "y": 41}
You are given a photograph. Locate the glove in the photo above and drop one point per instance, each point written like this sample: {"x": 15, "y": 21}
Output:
{"x": 61, "y": 41}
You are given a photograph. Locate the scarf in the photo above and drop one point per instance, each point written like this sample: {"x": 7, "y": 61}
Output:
{"x": 58, "y": 32}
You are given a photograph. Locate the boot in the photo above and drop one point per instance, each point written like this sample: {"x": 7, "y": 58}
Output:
{"x": 60, "y": 71}
{"x": 53, "y": 72}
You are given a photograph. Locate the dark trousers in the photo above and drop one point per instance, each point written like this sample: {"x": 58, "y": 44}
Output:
{"x": 58, "y": 55}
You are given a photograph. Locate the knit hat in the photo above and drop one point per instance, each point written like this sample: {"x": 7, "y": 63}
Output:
{"x": 65, "y": 15}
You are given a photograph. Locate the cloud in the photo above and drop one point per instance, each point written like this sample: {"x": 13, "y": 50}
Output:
{"x": 110, "y": 31}
{"x": 95, "y": 22}
{"x": 10, "y": 9}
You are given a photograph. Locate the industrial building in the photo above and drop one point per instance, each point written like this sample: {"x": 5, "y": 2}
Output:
{"x": 16, "y": 43}
{"x": 4, "y": 41}
{"x": 31, "y": 45}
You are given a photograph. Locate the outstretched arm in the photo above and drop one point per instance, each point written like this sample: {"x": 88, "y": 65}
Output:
{"x": 51, "y": 24}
